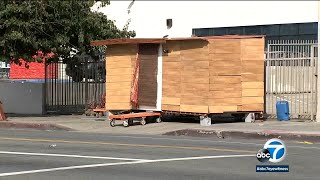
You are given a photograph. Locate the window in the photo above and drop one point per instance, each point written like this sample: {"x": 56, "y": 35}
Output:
{"x": 235, "y": 31}
{"x": 271, "y": 30}
{"x": 289, "y": 29}
{"x": 252, "y": 30}
{"x": 308, "y": 28}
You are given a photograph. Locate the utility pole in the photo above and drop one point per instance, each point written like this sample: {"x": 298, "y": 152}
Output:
{"x": 318, "y": 68}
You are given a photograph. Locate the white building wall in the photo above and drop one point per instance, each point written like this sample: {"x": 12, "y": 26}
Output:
{"x": 149, "y": 17}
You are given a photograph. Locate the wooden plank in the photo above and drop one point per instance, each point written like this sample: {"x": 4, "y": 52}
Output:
{"x": 171, "y": 58}
{"x": 192, "y": 92}
{"x": 171, "y": 84}
{"x": 174, "y": 73}
{"x": 253, "y": 69}
{"x": 253, "y": 100}
{"x": 253, "y": 107}
{"x": 198, "y": 72}
{"x": 171, "y": 92}
{"x": 252, "y": 42}
{"x": 225, "y": 46}
{"x": 225, "y": 79}
{"x": 117, "y": 78}
{"x": 170, "y": 107}
{"x": 225, "y": 87}
{"x": 196, "y": 56}
{"x": 196, "y": 64}
{"x": 193, "y": 100}
{"x": 222, "y": 109}
{"x": 118, "y": 85}
{"x": 118, "y": 92}
{"x": 223, "y": 71}
{"x": 225, "y": 102}
{"x": 247, "y": 77}
{"x": 119, "y": 64}
{"x": 195, "y": 46}
{"x": 195, "y": 79}
{"x": 171, "y": 77}
{"x": 239, "y": 108}
{"x": 252, "y": 52}
{"x": 170, "y": 100}
{"x": 194, "y": 108}
{"x": 173, "y": 64}
{"x": 195, "y": 87}
{"x": 225, "y": 64}
{"x": 119, "y": 71}
{"x": 253, "y": 92}
{"x": 259, "y": 63}
{"x": 225, "y": 57}
{"x": 118, "y": 106}
{"x": 118, "y": 99}
{"x": 225, "y": 94}
{"x": 253, "y": 85}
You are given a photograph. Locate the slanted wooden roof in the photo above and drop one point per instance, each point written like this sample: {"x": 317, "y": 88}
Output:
{"x": 163, "y": 40}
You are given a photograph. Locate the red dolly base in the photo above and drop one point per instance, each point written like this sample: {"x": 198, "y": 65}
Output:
{"x": 128, "y": 118}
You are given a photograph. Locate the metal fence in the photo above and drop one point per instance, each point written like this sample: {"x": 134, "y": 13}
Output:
{"x": 4, "y": 73}
{"x": 74, "y": 87}
{"x": 291, "y": 76}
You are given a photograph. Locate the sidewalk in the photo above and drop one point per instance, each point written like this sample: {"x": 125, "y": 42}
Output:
{"x": 295, "y": 130}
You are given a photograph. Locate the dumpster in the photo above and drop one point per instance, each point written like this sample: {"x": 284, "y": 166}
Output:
{"x": 282, "y": 110}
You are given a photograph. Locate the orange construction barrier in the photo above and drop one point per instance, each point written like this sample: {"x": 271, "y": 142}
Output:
{"x": 2, "y": 115}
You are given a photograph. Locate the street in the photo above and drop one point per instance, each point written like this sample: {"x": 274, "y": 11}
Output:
{"x": 36, "y": 155}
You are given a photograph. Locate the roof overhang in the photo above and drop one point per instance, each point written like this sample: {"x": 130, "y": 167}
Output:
{"x": 164, "y": 40}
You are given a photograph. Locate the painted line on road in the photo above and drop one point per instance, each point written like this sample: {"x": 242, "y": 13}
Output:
{"x": 120, "y": 163}
{"x": 69, "y": 155}
{"x": 129, "y": 145}
{"x": 210, "y": 141}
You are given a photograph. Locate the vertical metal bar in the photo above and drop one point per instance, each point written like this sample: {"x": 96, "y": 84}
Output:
{"x": 303, "y": 90}
{"x": 312, "y": 81}
{"x": 292, "y": 81}
{"x": 266, "y": 80}
{"x": 297, "y": 57}
{"x": 86, "y": 84}
{"x": 45, "y": 93}
{"x": 309, "y": 80}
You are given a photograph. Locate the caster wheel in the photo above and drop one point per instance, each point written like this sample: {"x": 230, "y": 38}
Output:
{"x": 158, "y": 120}
{"x": 125, "y": 123}
{"x": 143, "y": 122}
{"x": 112, "y": 123}
{"x": 130, "y": 121}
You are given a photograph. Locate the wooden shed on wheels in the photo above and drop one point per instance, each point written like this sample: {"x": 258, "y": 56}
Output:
{"x": 196, "y": 75}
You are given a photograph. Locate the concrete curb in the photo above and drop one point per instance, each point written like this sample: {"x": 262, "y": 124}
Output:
{"x": 263, "y": 135}
{"x": 38, "y": 126}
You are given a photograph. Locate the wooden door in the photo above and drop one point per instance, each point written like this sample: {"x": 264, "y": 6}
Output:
{"x": 147, "y": 93}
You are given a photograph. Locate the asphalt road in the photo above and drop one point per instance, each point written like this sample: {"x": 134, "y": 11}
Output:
{"x": 38, "y": 155}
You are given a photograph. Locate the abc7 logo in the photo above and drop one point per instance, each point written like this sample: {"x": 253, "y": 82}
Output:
{"x": 263, "y": 155}
{"x": 274, "y": 151}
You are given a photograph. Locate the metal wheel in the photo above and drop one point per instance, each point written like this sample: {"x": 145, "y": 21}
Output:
{"x": 143, "y": 121}
{"x": 130, "y": 121}
{"x": 125, "y": 123}
{"x": 112, "y": 123}
{"x": 158, "y": 120}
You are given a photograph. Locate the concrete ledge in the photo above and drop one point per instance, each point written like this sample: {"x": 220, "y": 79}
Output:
{"x": 246, "y": 135}
{"x": 38, "y": 126}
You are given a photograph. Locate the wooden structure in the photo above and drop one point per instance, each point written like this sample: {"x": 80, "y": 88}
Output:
{"x": 197, "y": 75}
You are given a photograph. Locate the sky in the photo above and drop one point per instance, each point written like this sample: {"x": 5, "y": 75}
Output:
{"x": 148, "y": 18}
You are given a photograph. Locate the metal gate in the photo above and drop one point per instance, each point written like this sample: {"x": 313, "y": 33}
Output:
{"x": 74, "y": 87}
{"x": 291, "y": 76}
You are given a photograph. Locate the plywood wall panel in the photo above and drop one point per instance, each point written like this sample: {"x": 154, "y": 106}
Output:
{"x": 194, "y": 108}
{"x": 169, "y": 107}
